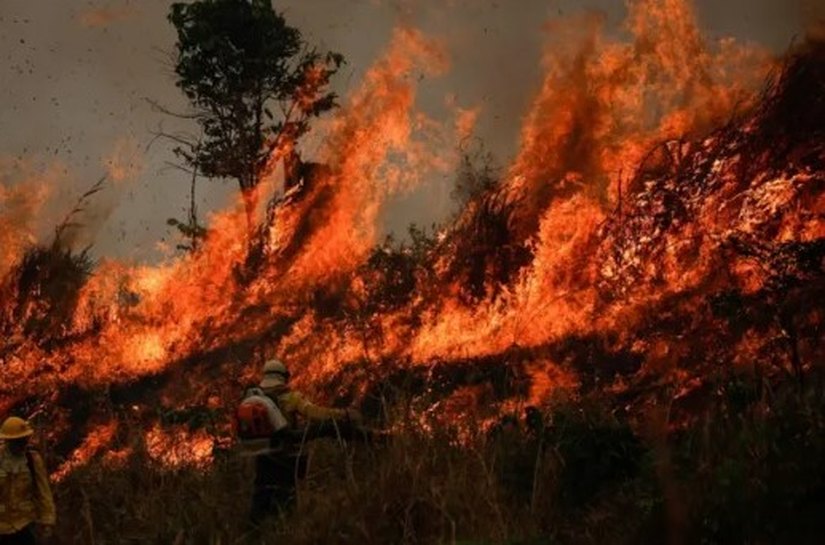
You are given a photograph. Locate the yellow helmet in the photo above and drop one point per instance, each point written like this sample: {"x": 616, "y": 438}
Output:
{"x": 15, "y": 427}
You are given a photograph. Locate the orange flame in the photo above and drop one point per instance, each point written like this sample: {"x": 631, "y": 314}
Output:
{"x": 603, "y": 105}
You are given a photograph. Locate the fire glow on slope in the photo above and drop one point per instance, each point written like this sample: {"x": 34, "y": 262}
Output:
{"x": 595, "y": 252}
{"x": 587, "y": 130}
{"x": 132, "y": 322}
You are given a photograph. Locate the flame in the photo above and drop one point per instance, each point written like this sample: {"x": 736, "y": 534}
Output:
{"x": 95, "y": 443}
{"x": 23, "y": 195}
{"x": 580, "y": 264}
{"x": 592, "y": 121}
{"x": 179, "y": 447}
{"x": 368, "y": 149}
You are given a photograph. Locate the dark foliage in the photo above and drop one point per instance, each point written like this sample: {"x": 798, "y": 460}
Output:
{"x": 395, "y": 271}
{"x": 595, "y": 450}
{"x": 477, "y": 174}
{"x": 754, "y": 468}
{"x": 486, "y": 255}
{"x": 252, "y": 80}
{"x": 192, "y": 231}
{"x": 46, "y": 286}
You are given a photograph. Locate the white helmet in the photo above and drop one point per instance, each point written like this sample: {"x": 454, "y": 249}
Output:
{"x": 275, "y": 373}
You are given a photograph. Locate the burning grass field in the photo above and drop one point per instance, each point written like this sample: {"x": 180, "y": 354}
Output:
{"x": 748, "y": 471}
{"x": 618, "y": 338}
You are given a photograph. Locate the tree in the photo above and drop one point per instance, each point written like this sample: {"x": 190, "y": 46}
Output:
{"x": 254, "y": 86}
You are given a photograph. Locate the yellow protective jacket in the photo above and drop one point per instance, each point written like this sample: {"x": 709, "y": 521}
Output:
{"x": 24, "y": 498}
{"x": 296, "y": 407}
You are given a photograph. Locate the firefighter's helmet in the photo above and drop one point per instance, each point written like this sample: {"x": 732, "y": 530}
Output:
{"x": 15, "y": 427}
{"x": 275, "y": 373}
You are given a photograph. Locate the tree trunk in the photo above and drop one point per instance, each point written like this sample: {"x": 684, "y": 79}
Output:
{"x": 249, "y": 202}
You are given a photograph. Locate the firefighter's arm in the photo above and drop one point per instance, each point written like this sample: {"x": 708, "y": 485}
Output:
{"x": 313, "y": 412}
{"x": 44, "y": 500}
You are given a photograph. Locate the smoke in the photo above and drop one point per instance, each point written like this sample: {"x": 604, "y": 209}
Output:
{"x": 813, "y": 12}
{"x": 23, "y": 196}
{"x": 81, "y": 72}
{"x": 93, "y": 207}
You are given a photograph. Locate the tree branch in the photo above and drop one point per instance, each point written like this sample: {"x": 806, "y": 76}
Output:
{"x": 157, "y": 107}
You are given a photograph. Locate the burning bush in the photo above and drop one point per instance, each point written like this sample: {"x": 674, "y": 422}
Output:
{"x": 45, "y": 288}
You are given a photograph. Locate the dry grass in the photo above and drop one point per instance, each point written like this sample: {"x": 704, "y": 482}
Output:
{"x": 741, "y": 474}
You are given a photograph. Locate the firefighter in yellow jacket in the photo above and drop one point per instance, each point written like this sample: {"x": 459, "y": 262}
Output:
{"x": 279, "y": 468}
{"x": 25, "y": 496}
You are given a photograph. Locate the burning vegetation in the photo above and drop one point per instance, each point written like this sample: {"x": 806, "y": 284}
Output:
{"x": 657, "y": 244}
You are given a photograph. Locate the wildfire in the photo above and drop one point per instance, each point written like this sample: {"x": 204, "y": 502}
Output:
{"x": 180, "y": 447}
{"x": 620, "y": 227}
{"x": 95, "y": 443}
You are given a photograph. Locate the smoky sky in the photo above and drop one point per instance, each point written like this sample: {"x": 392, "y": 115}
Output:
{"x": 76, "y": 75}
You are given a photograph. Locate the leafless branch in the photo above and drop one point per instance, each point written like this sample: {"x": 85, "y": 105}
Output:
{"x": 158, "y": 107}
{"x": 80, "y": 206}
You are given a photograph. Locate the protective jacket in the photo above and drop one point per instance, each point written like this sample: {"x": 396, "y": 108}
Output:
{"x": 306, "y": 420}
{"x": 25, "y": 496}
{"x": 297, "y": 408}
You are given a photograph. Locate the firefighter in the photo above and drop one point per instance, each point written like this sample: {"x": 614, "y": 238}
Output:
{"x": 25, "y": 497}
{"x": 278, "y": 469}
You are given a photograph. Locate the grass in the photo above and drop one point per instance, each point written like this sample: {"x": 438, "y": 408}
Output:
{"x": 751, "y": 469}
